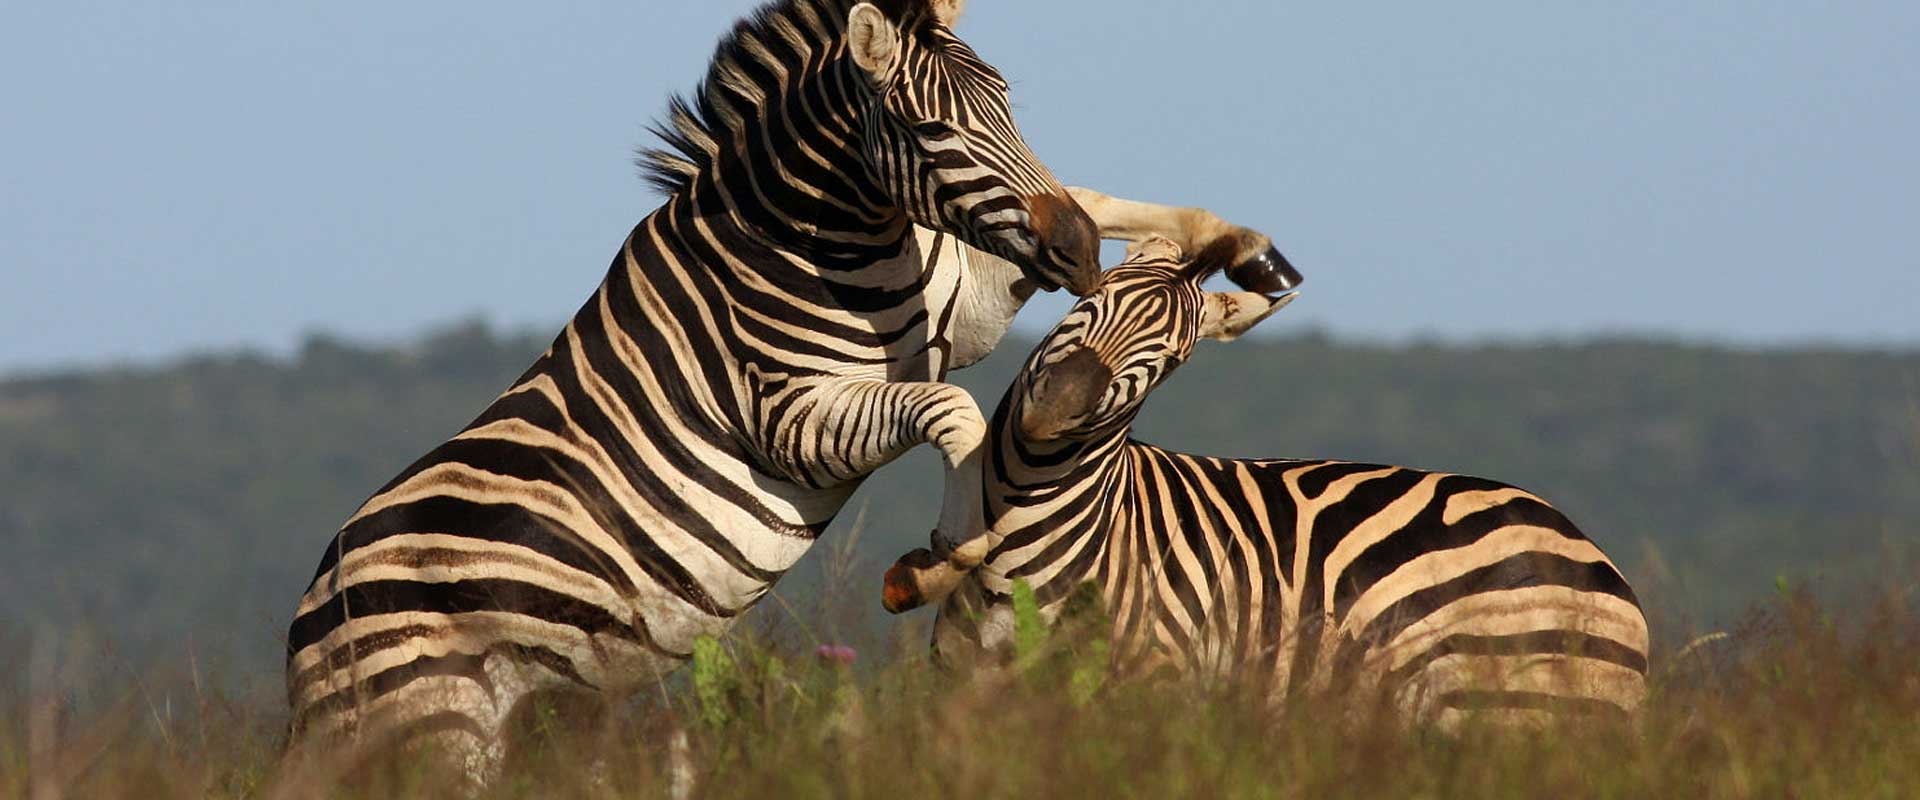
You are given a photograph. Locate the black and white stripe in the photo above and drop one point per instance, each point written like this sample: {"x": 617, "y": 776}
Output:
{"x": 771, "y": 335}
{"x": 1452, "y": 594}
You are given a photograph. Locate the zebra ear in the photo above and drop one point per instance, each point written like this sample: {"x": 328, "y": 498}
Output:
{"x": 872, "y": 40}
{"x": 948, "y": 11}
{"x": 1226, "y": 315}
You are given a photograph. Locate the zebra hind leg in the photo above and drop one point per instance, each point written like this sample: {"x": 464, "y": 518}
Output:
{"x": 435, "y": 725}
{"x": 455, "y": 722}
{"x": 1548, "y": 686}
{"x": 560, "y": 739}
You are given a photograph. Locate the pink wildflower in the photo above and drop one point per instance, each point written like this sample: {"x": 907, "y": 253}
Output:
{"x": 837, "y": 654}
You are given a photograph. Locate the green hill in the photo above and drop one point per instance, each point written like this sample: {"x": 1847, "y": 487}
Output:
{"x": 186, "y": 505}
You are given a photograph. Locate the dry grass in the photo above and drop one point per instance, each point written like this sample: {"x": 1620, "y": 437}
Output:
{"x": 1791, "y": 704}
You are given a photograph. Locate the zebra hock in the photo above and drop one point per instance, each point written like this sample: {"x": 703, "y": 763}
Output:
{"x": 1449, "y": 595}
{"x": 850, "y": 214}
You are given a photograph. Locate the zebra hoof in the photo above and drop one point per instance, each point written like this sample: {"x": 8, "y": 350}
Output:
{"x": 1267, "y": 273}
{"x": 901, "y": 592}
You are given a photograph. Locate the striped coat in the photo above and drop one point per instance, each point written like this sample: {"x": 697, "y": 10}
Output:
{"x": 850, "y": 214}
{"x": 1451, "y": 594}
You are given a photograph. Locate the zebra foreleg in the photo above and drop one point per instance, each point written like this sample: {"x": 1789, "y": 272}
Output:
{"x": 1257, "y": 264}
{"x": 852, "y": 427}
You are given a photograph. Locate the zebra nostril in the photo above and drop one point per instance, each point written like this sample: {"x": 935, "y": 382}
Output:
{"x": 1070, "y": 242}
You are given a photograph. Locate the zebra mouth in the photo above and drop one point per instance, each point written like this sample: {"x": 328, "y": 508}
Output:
{"x": 1022, "y": 247}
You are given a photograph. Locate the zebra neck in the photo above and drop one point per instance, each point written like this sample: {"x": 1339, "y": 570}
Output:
{"x": 1061, "y": 498}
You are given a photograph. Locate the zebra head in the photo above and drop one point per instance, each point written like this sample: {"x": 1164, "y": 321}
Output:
{"x": 940, "y": 139}
{"x": 1090, "y": 376}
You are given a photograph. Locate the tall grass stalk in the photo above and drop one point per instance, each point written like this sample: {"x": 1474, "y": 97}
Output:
{"x": 1793, "y": 702}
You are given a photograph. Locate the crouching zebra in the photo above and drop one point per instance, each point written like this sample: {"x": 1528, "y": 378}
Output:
{"x": 1451, "y": 594}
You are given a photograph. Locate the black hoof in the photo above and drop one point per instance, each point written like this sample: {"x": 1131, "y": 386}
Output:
{"x": 1267, "y": 273}
{"x": 921, "y": 558}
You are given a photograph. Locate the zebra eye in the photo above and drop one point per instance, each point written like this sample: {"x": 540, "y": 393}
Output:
{"x": 936, "y": 131}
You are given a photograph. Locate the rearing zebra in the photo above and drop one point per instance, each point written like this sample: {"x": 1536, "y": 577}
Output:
{"x": 851, "y": 213}
{"x": 1452, "y": 594}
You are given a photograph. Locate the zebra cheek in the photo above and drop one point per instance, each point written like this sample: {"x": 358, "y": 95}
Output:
{"x": 1063, "y": 396}
{"x": 1035, "y": 423}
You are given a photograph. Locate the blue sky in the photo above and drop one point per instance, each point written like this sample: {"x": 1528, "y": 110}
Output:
{"x": 213, "y": 175}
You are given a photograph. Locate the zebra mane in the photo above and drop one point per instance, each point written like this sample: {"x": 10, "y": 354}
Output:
{"x": 741, "y": 75}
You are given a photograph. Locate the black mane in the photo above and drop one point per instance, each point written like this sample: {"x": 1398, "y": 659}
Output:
{"x": 694, "y": 126}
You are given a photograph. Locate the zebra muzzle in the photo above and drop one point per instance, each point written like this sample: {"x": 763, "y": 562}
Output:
{"x": 1069, "y": 242}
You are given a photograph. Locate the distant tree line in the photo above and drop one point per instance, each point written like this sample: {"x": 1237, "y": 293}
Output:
{"x": 191, "y": 500}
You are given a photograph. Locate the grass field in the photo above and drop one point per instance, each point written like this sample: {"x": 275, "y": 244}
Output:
{"x": 1792, "y": 703}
